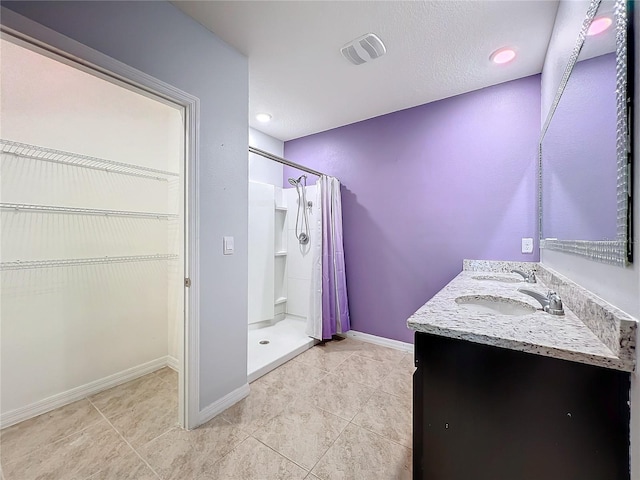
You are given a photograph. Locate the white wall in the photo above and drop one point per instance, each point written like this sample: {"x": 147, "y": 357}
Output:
{"x": 261, "y": 252}
{"x": 65, "y": 327}
{"x": 569, "y": 19}
{"x": 262, "y": 169}
{"x": 265, "y": 270}
{"x": 619, "y": 286}
{"x": 299, "y": 257}
{"x": 159, "y": 40}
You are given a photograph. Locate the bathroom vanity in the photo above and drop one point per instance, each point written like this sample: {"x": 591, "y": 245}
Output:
{"x": 515, "y": 392}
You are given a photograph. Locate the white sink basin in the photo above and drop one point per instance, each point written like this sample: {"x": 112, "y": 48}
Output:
{"x": 491, "y": 304}
{"x": 498, "y": 278}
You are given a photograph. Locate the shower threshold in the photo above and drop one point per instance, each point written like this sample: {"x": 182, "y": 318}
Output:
{"x": 284, "y": 340}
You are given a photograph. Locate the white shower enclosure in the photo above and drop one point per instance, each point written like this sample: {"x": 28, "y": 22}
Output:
{"x": 279, "y": 266}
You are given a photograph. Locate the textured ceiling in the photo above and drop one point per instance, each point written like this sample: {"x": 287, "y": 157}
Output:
{"x": 604, "y": 42}
{"x": 434, "y": 50}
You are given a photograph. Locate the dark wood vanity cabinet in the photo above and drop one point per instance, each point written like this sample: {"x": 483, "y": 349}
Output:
{"x": 488, "y": 413}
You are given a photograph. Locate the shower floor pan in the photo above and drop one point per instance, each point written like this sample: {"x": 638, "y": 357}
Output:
{"x": 284, "y": 340}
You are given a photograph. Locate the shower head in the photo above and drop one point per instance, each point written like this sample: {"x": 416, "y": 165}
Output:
{"x": 295, "y": 182}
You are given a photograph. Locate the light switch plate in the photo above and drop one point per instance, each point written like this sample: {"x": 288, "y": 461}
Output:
{"x": 527, "y": 245}
{"x": 227, "y": 245}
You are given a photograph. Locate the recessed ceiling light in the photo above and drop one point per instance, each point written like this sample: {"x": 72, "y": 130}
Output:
{"x": 263, "y": 117}
{"x": 599, "y": 25}
{"x": 503, "y": 55}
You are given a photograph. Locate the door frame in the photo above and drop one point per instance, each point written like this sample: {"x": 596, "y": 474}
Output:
{"x": 46, "y": 41}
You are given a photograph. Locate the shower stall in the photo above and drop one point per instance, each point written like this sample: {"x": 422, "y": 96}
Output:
{"x": 282, "y": 231}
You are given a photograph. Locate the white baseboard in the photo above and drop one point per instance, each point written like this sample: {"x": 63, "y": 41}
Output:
{"x": 78, "y": 393}
{"x": 385, "y": 342}
{"x": 221, "y": 405}
{"x": 173, "y": 363}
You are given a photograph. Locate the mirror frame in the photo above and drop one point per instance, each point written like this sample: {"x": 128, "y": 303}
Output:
{"x": 620, "y": 250}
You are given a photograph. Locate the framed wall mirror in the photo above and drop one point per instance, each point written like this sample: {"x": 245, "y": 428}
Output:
{"x": 585, "y": 161}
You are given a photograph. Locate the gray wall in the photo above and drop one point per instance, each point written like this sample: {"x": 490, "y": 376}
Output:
{"x": 160, "y": 40}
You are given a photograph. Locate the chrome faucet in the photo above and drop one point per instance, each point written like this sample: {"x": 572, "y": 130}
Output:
{"x": 528, "y": 277}
{"x": 550, "y": 304}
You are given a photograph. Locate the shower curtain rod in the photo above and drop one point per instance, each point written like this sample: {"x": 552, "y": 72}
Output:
{"x": 284, "y": 161}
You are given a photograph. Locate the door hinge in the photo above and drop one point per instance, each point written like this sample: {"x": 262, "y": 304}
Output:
{"x": 187, "y": 282}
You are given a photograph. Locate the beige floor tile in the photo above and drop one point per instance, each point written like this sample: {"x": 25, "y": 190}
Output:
{"x": 363, "y": 370}
{"x": 26, "y": 437}
{"x": 361, "y": 455}
{"x": 399, "y": 382}
{"x": 335, "y": 395}
{"x": 150, "y": 418}
{"x": 169, "y": 375}
{"x": 297, "y": 377}
{"x": 389, "y": 416}
{"x": 75, "y": 457}
{"x": 323, "y": 358}
{"x": 299, "y": 413}
{"x": 186, "y": 455}
{"x": 264, "y": 402}
{"x": 408, "y": 362}
{"x": 118, "y": 400}
{"x": 129, "y": 467}
{"x": 343, "y": 344}
{"x": 252, "y": 460}
{"x": 382, "y": 354}
{"x": 302, "y": 433}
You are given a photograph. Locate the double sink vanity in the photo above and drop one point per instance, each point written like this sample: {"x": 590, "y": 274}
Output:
{"x": 514, "y": 382}
{"x": 506, "y": 390}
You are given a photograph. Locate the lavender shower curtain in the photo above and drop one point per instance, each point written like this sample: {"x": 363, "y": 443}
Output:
{"x": 328, "y": 306}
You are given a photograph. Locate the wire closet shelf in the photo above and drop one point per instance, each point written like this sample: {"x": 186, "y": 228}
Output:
{"x": 28, "y": 207}
{"x": 8, "y": 147}
{"x": 71, "y": 262}
{"x": 24, "y": 150}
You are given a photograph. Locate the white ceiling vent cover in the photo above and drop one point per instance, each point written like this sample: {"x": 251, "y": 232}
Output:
{"x": 363, "y": 49}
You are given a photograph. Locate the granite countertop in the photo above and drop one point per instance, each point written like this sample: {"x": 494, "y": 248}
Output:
{"x": 566, "y": 337}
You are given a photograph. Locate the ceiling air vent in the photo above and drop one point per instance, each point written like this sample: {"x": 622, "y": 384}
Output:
{"x": 363, "y": 49}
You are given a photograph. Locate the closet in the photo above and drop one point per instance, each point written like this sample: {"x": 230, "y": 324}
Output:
{"x": 92, "y": 227}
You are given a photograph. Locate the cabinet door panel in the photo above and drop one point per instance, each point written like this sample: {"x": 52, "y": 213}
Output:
{"x": 484, "y": 412}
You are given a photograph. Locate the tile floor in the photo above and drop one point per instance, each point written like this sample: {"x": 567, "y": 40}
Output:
{"x": 341, "y": 410}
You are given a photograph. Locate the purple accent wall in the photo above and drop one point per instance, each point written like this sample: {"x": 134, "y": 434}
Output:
{"x": 426, "y": 187}
{"x": 579, "y": 188}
